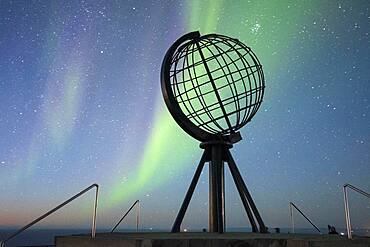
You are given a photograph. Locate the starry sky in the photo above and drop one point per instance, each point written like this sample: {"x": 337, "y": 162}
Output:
{"x": 81, "y": 104}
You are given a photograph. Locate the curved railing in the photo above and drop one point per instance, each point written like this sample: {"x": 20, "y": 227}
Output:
{"x": 93, "y": 227}
{"x": 346, "y": 205}
{"x": 137, "y": 202}
{"x": 291, "y": 205}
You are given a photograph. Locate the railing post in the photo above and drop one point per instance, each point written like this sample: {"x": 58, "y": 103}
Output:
{"x": 346, "y": 212}
{"x": 93, "y": 229}
{"x": 291, "y": 216}
{"x": 137, "y": 215}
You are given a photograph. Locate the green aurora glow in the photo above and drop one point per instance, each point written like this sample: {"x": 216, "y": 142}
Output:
{"x": 242, "y": 20}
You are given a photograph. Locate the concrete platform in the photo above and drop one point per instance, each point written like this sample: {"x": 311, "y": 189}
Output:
{"x": 208, "y": 240}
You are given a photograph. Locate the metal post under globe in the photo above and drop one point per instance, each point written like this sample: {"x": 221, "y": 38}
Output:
{"x": 213, "y": 85}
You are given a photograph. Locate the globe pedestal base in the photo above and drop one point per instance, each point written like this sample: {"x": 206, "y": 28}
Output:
{"x": 216, "y": 154}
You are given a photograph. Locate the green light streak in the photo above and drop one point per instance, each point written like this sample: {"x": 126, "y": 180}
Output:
{"x": 61, "y": 119}
{"x": 255, "y": 23}
{"x": 204, "y": 15}
{"x": 167, "y": 149}
{"x": 168, "y": 146}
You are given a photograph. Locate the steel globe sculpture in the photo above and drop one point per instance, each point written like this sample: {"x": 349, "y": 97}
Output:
{"x": 213, "y": 85}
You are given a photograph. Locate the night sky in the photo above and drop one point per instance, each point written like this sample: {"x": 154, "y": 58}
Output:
{"x": 81, "y": 103}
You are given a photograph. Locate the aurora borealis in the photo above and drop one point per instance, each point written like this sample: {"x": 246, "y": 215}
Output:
{"x": 81, "y": 104}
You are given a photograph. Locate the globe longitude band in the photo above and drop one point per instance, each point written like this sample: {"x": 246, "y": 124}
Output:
{"x": 213, "y": 85}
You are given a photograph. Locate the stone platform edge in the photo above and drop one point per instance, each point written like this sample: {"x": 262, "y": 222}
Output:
{"x": 208, "y": 240}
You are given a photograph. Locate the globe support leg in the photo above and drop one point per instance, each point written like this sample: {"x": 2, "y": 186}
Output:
{"x": 189, "y": 193}
{"x": 242, "y": 187}
{"x": 244, "y": 200}
{"x": 216, "y": 154}
{"x": 216, "y": 190}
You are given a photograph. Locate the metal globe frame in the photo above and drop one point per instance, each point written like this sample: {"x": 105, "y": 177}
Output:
{"x": 241, "y": 79}
{"x": 216, "y": 141}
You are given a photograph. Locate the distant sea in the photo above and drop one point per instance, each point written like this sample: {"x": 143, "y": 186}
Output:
{"x": 45, "y": 237}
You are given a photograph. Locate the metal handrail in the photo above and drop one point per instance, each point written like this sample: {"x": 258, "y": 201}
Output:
{"x": 127, "y": 212}
{"x": 291, "y": 205}
{"x": 93, "y": 227}
{"x": 346, "y": 205}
